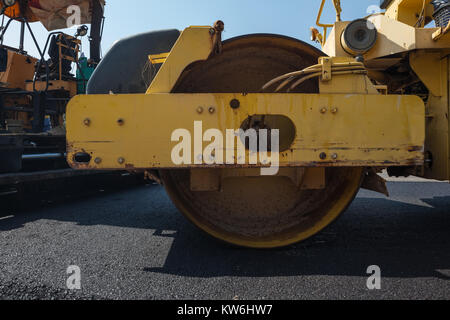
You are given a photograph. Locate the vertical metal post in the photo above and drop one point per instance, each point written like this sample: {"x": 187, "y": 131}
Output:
{"x": 39, "y": 103}
{"x": 96, "y": 30}
{"x": 2, "y": 115}
{"x": 22, "y": 36}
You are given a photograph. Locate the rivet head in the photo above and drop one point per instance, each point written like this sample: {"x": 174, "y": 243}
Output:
{"x": 323, "y": 156}
{"x": 87, "y": 122}
{"x": 121, "y": 160}
{"x": 200, "y": 110}
{"x": 121, "y": 122}
{"x": 323, "y": 110}
{"x": 334, "y": 156}
{"x": 212, "y": 110}
{"x": 98, "y": 160}
{"x": 334, "y": 110}
{"x": 235, "y": 104}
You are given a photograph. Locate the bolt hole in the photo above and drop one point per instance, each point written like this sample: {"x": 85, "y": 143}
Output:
{"x": 287, "y": 131}
{"x": 82, "y": 157}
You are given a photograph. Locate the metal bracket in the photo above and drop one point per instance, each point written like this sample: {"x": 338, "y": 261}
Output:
{"x": 194, "y": 44}
{"x": 158, "y": 58}
{"x": 326, "y": 68}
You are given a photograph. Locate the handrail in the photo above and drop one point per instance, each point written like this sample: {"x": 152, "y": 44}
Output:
{"x": 318, "y": 23}
{"x": 338, "y": 8}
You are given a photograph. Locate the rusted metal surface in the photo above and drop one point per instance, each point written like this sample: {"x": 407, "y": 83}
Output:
{"x": 372, "y": 181}
{"x": 314, "y": 179}
{"x": 259, "y": 207}
{"x": 203, "y": 180}
{"x": 261, "y": 58}
{"x": 152, "y": 175}
{"x": 356, "y": 135}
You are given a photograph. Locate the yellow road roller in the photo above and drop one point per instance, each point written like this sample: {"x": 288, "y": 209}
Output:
{"x": 263, "y": 140}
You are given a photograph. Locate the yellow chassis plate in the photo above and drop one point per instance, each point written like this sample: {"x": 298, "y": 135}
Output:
{"x": 135, "y": 131}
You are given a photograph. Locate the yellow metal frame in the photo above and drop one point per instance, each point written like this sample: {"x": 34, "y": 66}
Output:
{"x": 158, "y": 58}
{"x": 348, "y": 124}
{"x": 350, "y": 129}
{"x": 394, "y": 37}
{"x": 20, "y": 68}
{"x": 411, "y": 12}
{"x": 194, "y": 44}
{"x": 70, "y": 86}
{"x": 401, "y": 32}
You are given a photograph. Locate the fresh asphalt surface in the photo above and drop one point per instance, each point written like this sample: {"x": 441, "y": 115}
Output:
{"x": 133, "y": 244}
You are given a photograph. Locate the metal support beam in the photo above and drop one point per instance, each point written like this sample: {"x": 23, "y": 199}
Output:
{"x": 22, "y": 37}
{"x": 95, "y": 37}
{"x": 39, "y": 111}
{"x": 332, "y": 130}
{"x": 2, "y": 114}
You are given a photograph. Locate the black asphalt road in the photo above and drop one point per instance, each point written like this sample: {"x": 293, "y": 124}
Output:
{"x": 135, "y": 245}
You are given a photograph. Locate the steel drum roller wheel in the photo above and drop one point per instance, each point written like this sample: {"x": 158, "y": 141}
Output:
{"x": 258, "y": 212}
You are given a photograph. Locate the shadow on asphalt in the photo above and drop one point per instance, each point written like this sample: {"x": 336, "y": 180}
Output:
{"x": 405, "y": 240}
{"x": 40, "y": 194}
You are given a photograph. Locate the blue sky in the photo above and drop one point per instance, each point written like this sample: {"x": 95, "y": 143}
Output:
{"x": 287, "y": 17}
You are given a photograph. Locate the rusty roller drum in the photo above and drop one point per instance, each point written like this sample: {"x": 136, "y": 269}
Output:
{"x": 265, "y": 211}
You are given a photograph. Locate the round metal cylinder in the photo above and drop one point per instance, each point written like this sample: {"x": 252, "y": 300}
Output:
{"x": 359, "y": 37}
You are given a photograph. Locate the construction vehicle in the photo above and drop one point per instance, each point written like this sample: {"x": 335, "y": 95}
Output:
{"x": 375, "y": 97}
{"x": 34, "y": 92}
